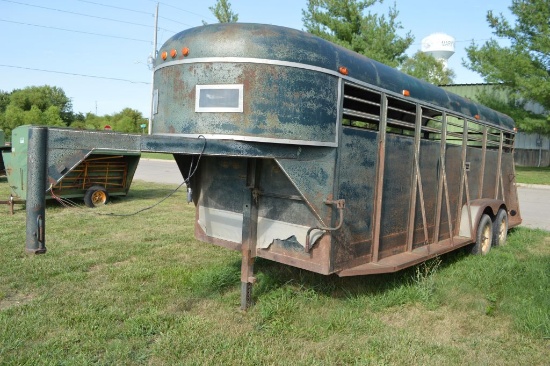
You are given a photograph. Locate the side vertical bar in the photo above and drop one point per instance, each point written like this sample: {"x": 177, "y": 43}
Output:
{"x": 499, "y": 166}
{"x": 415, "y": 176}
{"x": 441, "y": 177}
{"x": 483, "y": 156}
{"x": 462, "y": 173}
{"x": 36, "y": 190}
{"x": 379, "y": 189}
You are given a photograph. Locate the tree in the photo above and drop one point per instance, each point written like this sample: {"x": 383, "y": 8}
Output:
{"x": 343, "y": 22}
{"x": 38, "y": 105}
{"x": 523, "y": 67}
{"x": 426, "y": 67}
{"x": 93, "y": 122}
{"x": 222, "y": 11}
{"x": 506, "y": 103}
{"x": 4, "y": 100}
{"x": 52, "y": 117}
{"x": 128, "y": 120}
{"x": 13, "y": 117}
{"x": 43, "y": 97}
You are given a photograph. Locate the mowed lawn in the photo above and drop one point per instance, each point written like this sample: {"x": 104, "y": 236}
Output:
{"x": 140, "y": 289}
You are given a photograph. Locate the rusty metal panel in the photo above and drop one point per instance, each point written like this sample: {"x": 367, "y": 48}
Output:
{"x": 396, "y": 193}
{"x": 453, "y": 165}
{"x": 280, "y": 103}
{"x": 474, "y": 156}
{"x": 357, "y": 161}
{"x": 429, "y": 172}
{"x": 490, "y": 174}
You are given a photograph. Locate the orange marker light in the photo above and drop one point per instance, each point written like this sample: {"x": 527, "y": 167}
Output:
{"x": 164, "y": 55}
{"x": 343, "y": 70}
{"x": 173, "y": 53}
{"x": 476, "y": 116}
{"x": 185, "y": 51}
{"x": 406, "y": 93}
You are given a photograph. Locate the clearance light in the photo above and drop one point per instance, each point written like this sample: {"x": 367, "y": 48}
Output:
{"x": 406, "y": 93}
{"x": 515, "y": 129}
{"x": 185, "y": 51}
{"x": 343, "y": 70}
{"x": 173, "y": 53}
{"x": 164, "y": 55}
{"x": 476, "y": 116}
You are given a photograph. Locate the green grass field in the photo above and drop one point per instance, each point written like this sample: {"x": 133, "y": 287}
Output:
{"x": 141, "y": 290}
{"x": 533, "y": 175}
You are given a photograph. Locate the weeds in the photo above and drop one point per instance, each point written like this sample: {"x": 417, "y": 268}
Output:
{"x": 424, "y": 279}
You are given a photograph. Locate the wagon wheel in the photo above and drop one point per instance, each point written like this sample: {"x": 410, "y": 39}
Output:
{"x": 484, "y": 236}
{"x": 500, "y": 228}
{"x": 96, "y": 196}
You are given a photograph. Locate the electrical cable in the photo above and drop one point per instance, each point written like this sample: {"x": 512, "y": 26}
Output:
{"x": 84, "y": 15}
{"x": 186, "y": 181}
{"x": 75, "y": 31}
{"x": 116, "y": 7}
{"x": 185, "y": 11}
{"x": 75, "y": 74}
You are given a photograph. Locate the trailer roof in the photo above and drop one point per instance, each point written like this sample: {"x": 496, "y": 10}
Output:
{"x": 269, "y": 42}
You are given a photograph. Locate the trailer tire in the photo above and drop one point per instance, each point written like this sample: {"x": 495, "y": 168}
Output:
{"x": 96, "y": 196}
{"x": 500, "y": 228}
{"x": 484, "y": 236}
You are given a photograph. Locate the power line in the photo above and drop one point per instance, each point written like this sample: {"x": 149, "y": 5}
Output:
{"x": 75, "y": 31}
{"x": 175, "y": 21}
{"x": 84, "y": 15}
{"x": 135, "y": 11}
{"x": 185, "y": 11}
{"x": 116, "y": 7}
{"x": 75, "y": 74}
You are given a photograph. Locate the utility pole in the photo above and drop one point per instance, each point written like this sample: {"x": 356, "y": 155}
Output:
{"x": 154, "y": 57}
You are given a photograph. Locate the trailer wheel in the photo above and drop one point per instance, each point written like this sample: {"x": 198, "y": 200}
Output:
{"x": 484, "y": 236}
{"x": 96, "y": 196}
{"x": 500, "y": 228}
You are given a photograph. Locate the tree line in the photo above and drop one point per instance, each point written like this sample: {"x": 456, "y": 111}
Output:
{"x": 520, "y": 70}
{"x": 50, "y": 106}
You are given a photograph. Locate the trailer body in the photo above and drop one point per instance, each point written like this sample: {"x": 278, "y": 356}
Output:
{"x": 410, "y": 161}
{"x": 305, "y": 153}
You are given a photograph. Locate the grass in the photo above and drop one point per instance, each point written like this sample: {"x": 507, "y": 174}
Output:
{"x": 533, "y": 175}
{"x": 141, "y": 290}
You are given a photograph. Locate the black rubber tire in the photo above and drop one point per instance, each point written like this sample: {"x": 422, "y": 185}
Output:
{"x": 96, "y": 196}
{"x": 484, "y": 236}
{"x": 500, "y": 228}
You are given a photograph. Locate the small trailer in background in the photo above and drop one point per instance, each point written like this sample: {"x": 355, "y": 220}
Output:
{"x": 95, "y": 177}
{"x": 3, "y": 147}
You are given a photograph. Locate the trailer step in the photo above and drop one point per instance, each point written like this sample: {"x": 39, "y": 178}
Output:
{"x": 406, "y": 259}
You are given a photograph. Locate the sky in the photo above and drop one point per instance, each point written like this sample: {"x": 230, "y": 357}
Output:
{"x": 97, "y": 50}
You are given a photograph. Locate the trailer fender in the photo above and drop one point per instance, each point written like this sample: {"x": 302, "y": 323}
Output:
{"x": 478, "y": 208}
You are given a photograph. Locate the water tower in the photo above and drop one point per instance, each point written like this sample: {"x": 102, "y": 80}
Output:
{"x": 439, "y": 45}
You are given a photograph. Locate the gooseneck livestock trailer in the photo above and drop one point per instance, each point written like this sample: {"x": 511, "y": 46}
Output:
{"x": 310, "y": 154}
